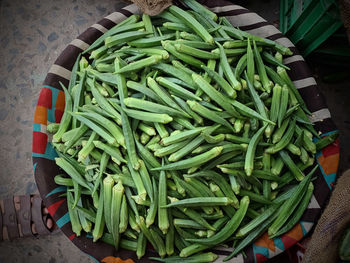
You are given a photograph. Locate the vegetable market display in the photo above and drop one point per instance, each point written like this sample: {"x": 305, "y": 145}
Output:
{"x": 185, "y": 132}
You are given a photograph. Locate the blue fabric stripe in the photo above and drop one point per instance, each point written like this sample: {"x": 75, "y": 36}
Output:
{"x": 315, "y": 139}
{"x": 51, "y": 88}
{"x": 50, "y": 153}
{"x": 330, "y": 178}
{"x": 260, "y": 250}
{"x": 63, "y": 220}
{"x": 278, "y": 243}
{"x": 51, "y": 114}
{"x": 59, "y": 189}
{"x": 36, "y": 127}
{"x": 302, "y": 228}
{"x": 39, "y": 155}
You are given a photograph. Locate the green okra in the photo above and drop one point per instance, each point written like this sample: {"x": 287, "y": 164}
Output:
{"x": 193, "y": 161}
{"x": 163, "y": 221}
{"x": 153, "y": 107}
{"x": 120, "y": 38}
{"x": 124, "y": 218}
{"x": 182, "y": 56}
{"x": 108, "y": 184}
{"x": 177, "y": 89}
{"x": 298, "y": 213}
{"x": 229, "y": 228}
{"x": 99, "y": 221}
{"x": 290, "y": 205}
{"x": 192, "y": 23}
{"x": 209, "y": 114}
{"x": 161, "y": 87}
{"x": 201, "y": 201}
{"x": 126, "y": 25}
{"x": 196, "y": 52}
{"x": 140, "y": 64}
{"x": 249, "y": 159}
{"x": 66, "y": 117}
{"x": 73, "y": 215}
{"x": 117, "y": 196}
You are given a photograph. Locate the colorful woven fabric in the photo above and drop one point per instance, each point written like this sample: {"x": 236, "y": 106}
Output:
{"x": 50, "y": 108}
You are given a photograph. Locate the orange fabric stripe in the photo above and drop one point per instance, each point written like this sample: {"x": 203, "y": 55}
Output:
{"x": 111, "y": 259}
{"x": 265, "y": 241}
{"x": 40, "y": 115}
{"x": 60, "y": 102}
{"x": 296, "y": 232}
{"x": 330, "y": 163}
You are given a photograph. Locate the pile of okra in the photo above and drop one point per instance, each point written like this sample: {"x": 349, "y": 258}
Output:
{"x": 186, "y": 132}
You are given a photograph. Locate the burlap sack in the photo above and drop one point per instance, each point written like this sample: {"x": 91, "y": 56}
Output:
{"x": 152, "y": 7}
{"x": 324, "y": 243}
{"x": 344, "y": 6}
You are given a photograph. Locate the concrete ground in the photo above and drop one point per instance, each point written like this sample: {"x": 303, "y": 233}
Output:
{"x": 32, "y": 35}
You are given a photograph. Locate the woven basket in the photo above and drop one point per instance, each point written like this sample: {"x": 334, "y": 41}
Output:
{"x": 50, "y": 108}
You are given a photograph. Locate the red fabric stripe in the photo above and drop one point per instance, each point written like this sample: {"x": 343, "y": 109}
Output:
{"x": 287, "y": 241}
{"x": 260, "y": 258}
{"x": 39, "y": 142}
{"x": 53, "y": 208}
{"x": 331, "y": 149}
{"x": 45, "y": 98}
{"x": 58, "y": 115}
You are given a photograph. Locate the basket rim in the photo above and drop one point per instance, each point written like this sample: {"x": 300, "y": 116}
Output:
{"x": 48, "y": 106}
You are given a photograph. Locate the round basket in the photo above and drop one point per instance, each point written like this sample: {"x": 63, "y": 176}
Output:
{"x": 50, "y": 108}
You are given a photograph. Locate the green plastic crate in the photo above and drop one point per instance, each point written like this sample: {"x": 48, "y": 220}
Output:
{"x": 308, "y": 23}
